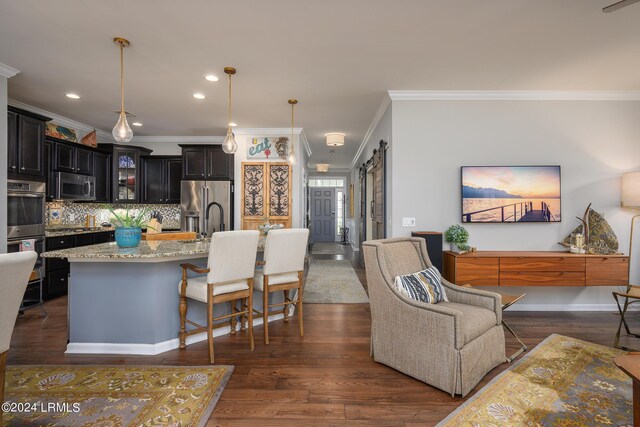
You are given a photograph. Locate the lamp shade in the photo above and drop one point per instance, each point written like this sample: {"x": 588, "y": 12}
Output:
{"x": 335, "y": 139}
{"x": 322, "y": 167}
{"x": 631, "y": 190}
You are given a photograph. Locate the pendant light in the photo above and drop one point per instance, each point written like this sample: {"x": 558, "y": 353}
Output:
{"x": 229, "y": 145}
{"x": 121, "y": 131}
{"x": 292, "y": 155}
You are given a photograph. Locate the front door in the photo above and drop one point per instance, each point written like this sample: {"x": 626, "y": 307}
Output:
{"x": 323, "y": 214}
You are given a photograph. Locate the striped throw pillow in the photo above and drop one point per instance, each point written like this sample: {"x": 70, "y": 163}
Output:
{"x": 424, "y": 286}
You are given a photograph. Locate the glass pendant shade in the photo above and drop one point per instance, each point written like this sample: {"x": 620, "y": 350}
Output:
{"x": 291, "y": 158}
{"x": 229, "y": 145}
{"x": 121, "y": 131}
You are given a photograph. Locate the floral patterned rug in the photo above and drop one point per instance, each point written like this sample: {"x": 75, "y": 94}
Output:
{"x": 563, "y": 382}
{"x": 110, "y": 396}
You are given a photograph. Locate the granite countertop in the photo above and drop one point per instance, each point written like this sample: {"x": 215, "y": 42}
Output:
{"x": 70, "y": 230}
{"x": 146, "y": 250}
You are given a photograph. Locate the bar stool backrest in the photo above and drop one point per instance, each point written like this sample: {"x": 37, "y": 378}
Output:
{"x": 15, "y": 270}
{"x": 232, "y": 256}
{"x": 285, "y": 250}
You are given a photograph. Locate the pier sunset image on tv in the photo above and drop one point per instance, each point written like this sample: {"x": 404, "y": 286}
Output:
{"x": 510, "y": 194}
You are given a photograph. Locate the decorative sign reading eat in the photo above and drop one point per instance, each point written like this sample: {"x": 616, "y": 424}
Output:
{"x": 267, "y": 147}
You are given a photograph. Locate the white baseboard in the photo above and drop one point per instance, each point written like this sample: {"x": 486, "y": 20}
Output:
{"x": 563, "y": 307}
{"x": 152, "y": 349}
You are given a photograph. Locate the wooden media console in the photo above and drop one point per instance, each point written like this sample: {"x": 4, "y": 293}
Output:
{"x": 535, "y": 268}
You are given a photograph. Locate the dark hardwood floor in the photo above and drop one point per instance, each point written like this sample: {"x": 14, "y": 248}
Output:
{"x": 325, "y": 378}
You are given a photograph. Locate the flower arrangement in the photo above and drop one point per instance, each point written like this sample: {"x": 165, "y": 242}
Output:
{"x": 457, "y": 235}
{"x": 122, "y": 218}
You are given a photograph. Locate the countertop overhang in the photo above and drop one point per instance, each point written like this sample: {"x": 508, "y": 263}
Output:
{"x": 147, "y": 251}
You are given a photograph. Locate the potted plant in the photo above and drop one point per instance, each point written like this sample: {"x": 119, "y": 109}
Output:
{"x": 128, "y": 227}
{"x": 458, "y": 237}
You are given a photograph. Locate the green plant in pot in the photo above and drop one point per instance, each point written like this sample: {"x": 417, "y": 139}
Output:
{"x": 458, "y": 237}
{"x": 128, "y": 227}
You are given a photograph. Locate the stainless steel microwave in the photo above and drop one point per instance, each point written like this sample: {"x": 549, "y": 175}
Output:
{"x": 71, "y": 186}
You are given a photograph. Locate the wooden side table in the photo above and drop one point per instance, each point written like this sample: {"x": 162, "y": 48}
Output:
{"x": 630, "y": 365}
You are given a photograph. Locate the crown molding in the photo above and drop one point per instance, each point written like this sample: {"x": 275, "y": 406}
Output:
{"x": 7, "y": 71}
{"x": 305, "y": 143}
{"x": 266, "y": 131}
{"x": 374, "y": 123}
{"x": 481, "y": 95}
{"x": 180, "y": 139}
{"x": 81, "y": 128}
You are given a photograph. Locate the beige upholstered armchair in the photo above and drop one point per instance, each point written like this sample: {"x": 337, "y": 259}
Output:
{"x": 450, "y": 345}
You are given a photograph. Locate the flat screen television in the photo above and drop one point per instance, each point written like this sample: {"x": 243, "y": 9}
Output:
{"x": 510, "y": 194}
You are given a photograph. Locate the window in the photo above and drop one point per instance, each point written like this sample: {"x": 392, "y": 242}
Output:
{"x": 321, "y": 182}
{"x": 339, "y": 211}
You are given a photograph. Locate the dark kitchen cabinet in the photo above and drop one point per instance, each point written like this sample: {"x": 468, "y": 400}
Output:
{"x": 125, "y": 172}
{"x": 69, "y": 157}
{"x": 56, "y": 281}
{"x": 25, "y": 145}
{"x": 102, "y": 173}
{"x": 48, "y": 158}
{"x": 206, "y": 162}
{"x": 161, "y": 176}
{"x": 12, "y": 140}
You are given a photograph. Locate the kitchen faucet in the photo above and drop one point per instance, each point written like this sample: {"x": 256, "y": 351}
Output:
{"x": 204, "y": 233}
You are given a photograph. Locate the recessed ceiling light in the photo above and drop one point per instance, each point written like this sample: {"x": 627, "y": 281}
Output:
{"x": 73, "y": 96}
{"x": 233, "y": 124}
{"x": 198, "y": 96}
{"x": 136, "y": 124}
{"x": 211, "y": 78}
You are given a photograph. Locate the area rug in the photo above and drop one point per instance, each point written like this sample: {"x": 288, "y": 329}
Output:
{"x": 333, "y": 282}
{"x": 322, "y": 248}
{"x": 91, "y": 396}
{"x": 563, "y": 382}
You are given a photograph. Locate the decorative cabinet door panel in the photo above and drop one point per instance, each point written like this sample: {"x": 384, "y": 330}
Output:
{"x": 266, "y": 194}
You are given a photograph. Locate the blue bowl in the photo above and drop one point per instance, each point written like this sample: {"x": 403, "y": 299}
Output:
{"x": 128, "y": 237}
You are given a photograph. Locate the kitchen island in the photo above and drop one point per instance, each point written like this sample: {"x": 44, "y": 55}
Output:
{"x": 125, "y": 301}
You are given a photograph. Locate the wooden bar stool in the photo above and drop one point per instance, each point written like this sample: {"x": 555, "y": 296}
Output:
{"x": 229, "y": 278}
{"x": 507, "y": 301}
{"x": 284, "y": 255}
{"x": 633, "y": 293}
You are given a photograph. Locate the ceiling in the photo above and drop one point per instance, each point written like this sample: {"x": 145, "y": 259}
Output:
{"x": 337, "y": 57}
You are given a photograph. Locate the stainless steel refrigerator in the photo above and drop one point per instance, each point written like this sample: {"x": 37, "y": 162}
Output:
{"x": 196, "y": 196}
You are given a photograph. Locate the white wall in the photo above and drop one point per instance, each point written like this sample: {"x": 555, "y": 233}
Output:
{"x": 593, "y": 141}
{"x": 3, "y": 164}
{"x": 382, "y": 130}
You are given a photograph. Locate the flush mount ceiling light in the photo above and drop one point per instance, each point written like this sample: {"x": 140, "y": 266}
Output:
{"x": 121, "y": 131}
{"x": 322, "y": 167}
{"x": 233, "y": 124}
{"x": 211, "y": 78}
{"x": 291, "y": 158}
{"x": 137, "y": 124}
{"x": 199, "y": 96}
{"x": 229, "y": 145}
{"x": 73, "y": 96}
{"x": 335, "y": 139}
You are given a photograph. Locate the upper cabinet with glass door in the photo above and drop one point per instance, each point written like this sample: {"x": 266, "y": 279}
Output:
{"x": 126, "y": 186}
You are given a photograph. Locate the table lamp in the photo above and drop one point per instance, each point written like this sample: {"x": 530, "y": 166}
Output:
{"x": 631, "y": 199}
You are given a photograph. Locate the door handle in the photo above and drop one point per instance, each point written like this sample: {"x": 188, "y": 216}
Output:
{"x": 372, "y": 206}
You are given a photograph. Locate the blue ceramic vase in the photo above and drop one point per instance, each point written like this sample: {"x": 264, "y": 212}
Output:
{"x": 128, "y": 237}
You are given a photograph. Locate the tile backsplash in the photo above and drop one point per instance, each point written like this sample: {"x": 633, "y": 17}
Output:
{"x": 75, "y": 213}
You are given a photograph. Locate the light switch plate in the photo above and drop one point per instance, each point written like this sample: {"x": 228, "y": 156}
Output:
{"x": 72, "y": 217}
{"x": 408, "y": 222}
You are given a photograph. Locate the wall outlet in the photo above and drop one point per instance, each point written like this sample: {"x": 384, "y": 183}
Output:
{"x": 408, "y": 222}
{"x": 72, "y": 217}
